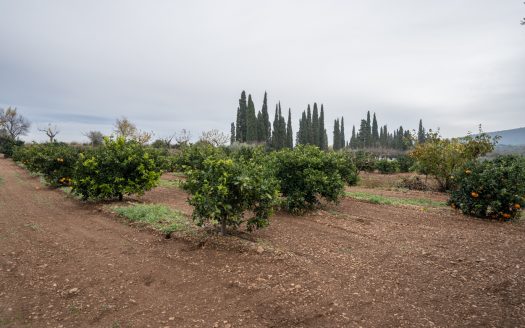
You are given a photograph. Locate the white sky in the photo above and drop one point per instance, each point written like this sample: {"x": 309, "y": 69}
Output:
{"x": 169, "y": 65}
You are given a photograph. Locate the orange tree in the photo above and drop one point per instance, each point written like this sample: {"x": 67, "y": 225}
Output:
{"x": 224, "y": 189}
{"x": 491, "y": 189}
{"x": 440, "y": 157}
{"x": 117, "y": 168}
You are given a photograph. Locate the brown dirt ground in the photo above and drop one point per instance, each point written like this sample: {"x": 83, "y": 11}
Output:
{"x": 68, "y": 264}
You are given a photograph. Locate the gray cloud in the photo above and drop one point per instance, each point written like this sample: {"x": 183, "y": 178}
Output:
{"x": 169, "y": 65}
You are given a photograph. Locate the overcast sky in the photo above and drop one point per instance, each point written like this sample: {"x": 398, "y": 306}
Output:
{"x": 169, "y": 65}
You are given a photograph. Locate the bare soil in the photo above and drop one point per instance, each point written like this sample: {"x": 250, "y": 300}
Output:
{"x": 64, "y": 263}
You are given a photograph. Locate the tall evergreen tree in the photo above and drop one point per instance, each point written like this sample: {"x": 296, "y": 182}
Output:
{"x": 315, "y": 127}
{"x": 368, "y": 135}
{"x": 275, "y": 131}
{"x": 352, "y": 138}
{"x": 282, "y": 129}
{"x": 266, "y": 119}
{"x": 362, "y": 135}
{"x": 421, "y": 135}
{"x": 232, "y": 134}
{"x": 301, "y": 134}
{"x": 238, "y": 126}
{"x": 251, "y": 122}
{"x": 375, "y": 132}
{"x": 309, "y": 136}
{"x": 261, "y": 135}
{"x": 242, "y": 124}
{"x": 289, "y": 132}
{"x": 342, "y": 143}
{"x": 323, "y": 140}
{"x": 337, "y": 136}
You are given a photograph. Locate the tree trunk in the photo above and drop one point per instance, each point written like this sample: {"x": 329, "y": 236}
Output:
{"x": 223, "y": 227}
{"x": 120, "y": 197}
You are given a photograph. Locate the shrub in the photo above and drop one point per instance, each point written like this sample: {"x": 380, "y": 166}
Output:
{"x": 54, "y": 161}
{"x": 117, "y": 168}
{"x": 386, "y": 166}
{"x": 406, "y": 163}
{"x": 346, "y": 166}
{"x": 440, "y": 157}
{"x": 491, "y": 189}
{"x": 413, "y": 183}
{"x": 164, "y": 161}
{"x": 193, "y": 156}
{"x": 222, "y": 190}
{"x": 305, "y": 174}
{"x": 8, "y": 145}
{"x": 364, "y": 161}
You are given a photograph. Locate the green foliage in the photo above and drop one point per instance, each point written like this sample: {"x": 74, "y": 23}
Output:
{"x": 440, "y": 157}
{"x": 55, "y": 161}
{"x": 162, "y": 158}
{"x": 346, "y": 166}
{"x": 385, "y": 166}
{"x": 384, "y": 200}
{"x": 222, "y": 190}
{"x": 406, "y": 163}
{"x": 120, "y": 167}
{"x": 159, "y": 217}
{"x": 491, "y": 189}
{"x": 306, "y": 174}
{"x": 193, "y": 156}
{"x": 8, "y": 145}
{"x": 364, "y": 161}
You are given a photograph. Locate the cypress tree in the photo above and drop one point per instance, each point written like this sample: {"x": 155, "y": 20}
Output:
{"x": 421, "y": 132}
{"x": 266, "y": 119}
{"x": 337, "y": 135}
{"x": 323, "y": 140}
{"x": 238, "y": 131}
{"x": 315, "y": 127}
{"x": 301, "y": 134}
{"x": 352, "y": 138}
{"x": 368, "y": 135}
{"x": 251, "y": 122}
{"x": 243, "y": 111}
{"x": 289, "y": 132}
{"x": 375, "y": 132}
{"x": 275, "y": 132}
{"x": 232, "y": 134}
{"x": 309, "y": 136}
{"x": 342, "y": 133}
{"x": 362, "y": 136}
{"x": 261, "y": 135}
{"x": 282, "y": 129}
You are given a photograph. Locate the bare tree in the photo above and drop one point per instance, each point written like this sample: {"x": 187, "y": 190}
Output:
{"x": 124, "y": 128}
{"x": 169, "y": 139}
{"x": 51, "y": 132}
{"x": 214, "y": 137}
{"x": 96, "y": 138}
{"x": 183, "y": 138}
{"x": 13, "y": 123}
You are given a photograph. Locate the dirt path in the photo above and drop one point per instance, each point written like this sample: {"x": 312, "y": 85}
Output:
{"x": 66, "y": 264}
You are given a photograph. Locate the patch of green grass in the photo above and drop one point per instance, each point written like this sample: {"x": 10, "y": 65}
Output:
{"x": 384, "y": 200}
{"x": 159, "y": 217}
{"x": 174, "y": 183}
{"x": 1, "y": 181}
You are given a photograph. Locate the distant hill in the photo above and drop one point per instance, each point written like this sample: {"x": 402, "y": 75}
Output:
{"x": 514, "y": 137}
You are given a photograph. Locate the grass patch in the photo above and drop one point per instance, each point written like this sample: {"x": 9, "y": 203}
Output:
{"x": 384, "y": 200}
{"x": 1, "y": 181}
{"x": 159, "y": 217}
{"x": 174, "y": 183}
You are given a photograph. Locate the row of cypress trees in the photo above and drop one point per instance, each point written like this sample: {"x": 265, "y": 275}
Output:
{"x": 256, "y": 128}
{"x": 370, "y": 135}
{"x": 251, "y": 127}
